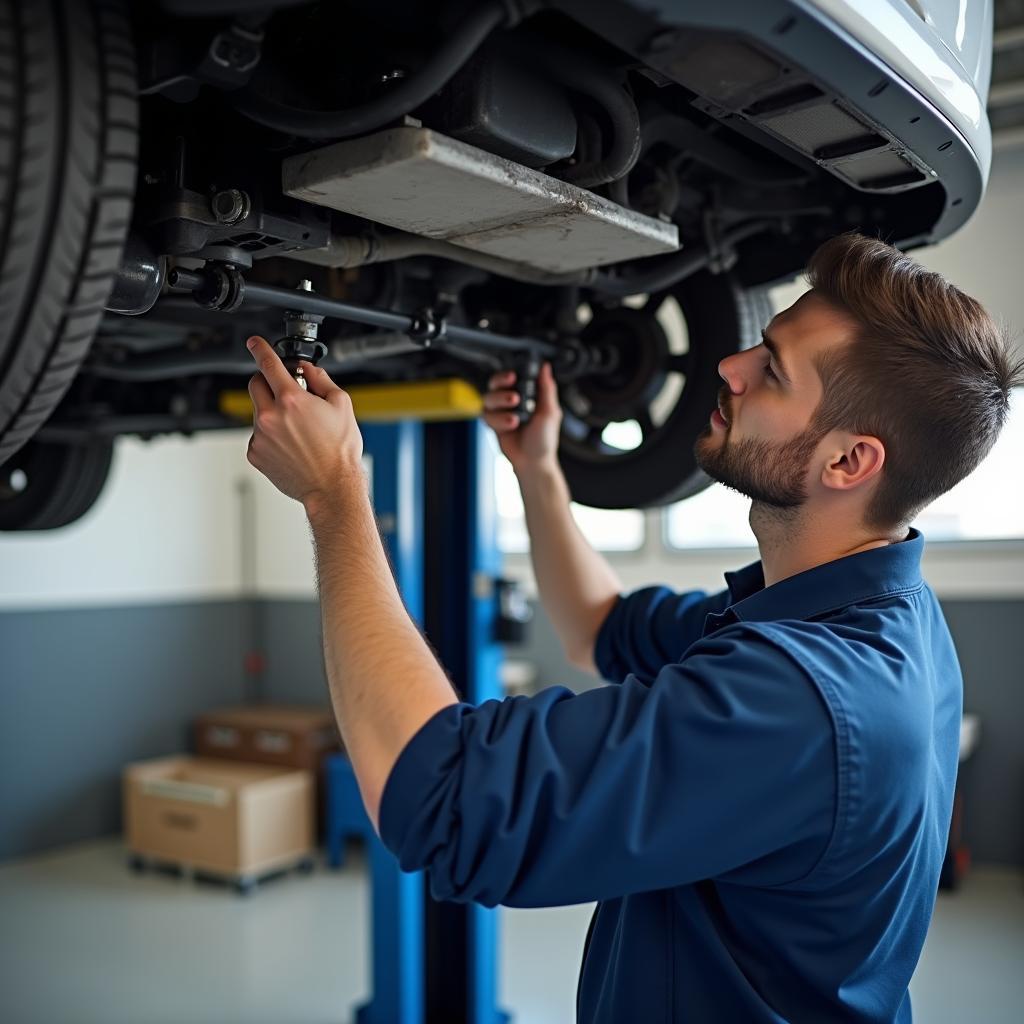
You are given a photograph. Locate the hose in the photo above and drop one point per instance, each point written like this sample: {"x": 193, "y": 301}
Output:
{"x": 359, "y": 250}
{"x": 406, "y": 95}
{"x": 346, "y": 251}
{"x": 580, "y": 75}
{"x": 671, "y": 269}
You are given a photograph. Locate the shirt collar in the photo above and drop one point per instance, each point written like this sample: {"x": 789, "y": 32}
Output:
{"x": 866, "y": 575}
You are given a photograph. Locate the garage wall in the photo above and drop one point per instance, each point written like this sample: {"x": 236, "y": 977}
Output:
{"x": 167, "y": 528}
{"x": 86, "y": 691}
{"x": 115, "y": 632}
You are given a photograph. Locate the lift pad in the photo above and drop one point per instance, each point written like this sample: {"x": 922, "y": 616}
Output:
{"x": 450, "y": 399}
{"x": 429, "y": 184}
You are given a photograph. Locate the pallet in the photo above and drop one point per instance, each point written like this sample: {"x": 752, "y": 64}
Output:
{"x": 242, "y": 884}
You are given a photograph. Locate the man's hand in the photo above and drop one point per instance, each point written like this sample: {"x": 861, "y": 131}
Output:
{"x": 306, "y": 443}
{"x": 535, "y": 444}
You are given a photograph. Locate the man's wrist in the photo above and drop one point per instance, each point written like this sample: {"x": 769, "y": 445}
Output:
{"x": 542, "y": 477}
{"x": 328, "y": 505}
{"x": 539, "y": 469}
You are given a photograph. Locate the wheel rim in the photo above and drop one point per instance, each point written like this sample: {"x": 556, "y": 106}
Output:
{"x": 650, "y": 461}
{"x": 650, "y": 338}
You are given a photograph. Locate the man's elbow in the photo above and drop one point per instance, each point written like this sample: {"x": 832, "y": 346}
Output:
{"x": 583, "y": 659}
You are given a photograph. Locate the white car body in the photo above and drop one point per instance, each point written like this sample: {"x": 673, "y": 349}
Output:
{"x": 941, "y": 48}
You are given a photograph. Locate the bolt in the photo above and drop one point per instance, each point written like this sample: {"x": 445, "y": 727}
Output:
{"x": 230, "y": 206}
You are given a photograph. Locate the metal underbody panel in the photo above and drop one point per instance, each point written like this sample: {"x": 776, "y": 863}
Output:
{"x": 428, "y": 184}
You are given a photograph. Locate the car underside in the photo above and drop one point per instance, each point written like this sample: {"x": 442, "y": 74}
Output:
{"x": 412, "y": 192}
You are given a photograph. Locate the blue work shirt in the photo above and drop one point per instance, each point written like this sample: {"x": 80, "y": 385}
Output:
{"x": 761, "y": 806}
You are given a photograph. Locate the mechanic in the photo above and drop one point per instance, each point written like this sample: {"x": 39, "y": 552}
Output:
{"x": 761, "y": 805}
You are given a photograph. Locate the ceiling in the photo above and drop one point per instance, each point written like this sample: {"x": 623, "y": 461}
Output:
{"x": 1006, "y": 95}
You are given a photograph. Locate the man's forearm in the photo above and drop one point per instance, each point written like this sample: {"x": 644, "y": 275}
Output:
{"x": 385, "y": 682}
{"x": 577, "y": 585}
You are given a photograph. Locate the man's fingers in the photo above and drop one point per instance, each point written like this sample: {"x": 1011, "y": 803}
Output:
{"x": 269, "y": 362}
{"x": 260, "y": 393}
{"x": 319, "y": 381}
{"x": 501, "y": 422}
{"x": 502, "y": 380}
{"x": 501, "y": 399}
{"x": 547, "y": 391}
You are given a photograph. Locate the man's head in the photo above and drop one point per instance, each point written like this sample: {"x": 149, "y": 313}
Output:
{"x": 877, "y": 391}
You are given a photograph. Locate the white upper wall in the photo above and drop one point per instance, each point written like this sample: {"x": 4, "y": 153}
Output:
{"x": 165, "y": 528}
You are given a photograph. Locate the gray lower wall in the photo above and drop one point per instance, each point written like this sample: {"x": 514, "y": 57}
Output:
{"x": 989, "y": 638}
{"x": 84, "y": 691}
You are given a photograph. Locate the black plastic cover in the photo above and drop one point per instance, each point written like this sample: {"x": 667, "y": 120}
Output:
{"x": 504, "y": 109}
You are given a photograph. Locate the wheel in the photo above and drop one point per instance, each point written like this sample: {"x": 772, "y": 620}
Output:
{"x": 68, "y": 142}
{"x": 136, "y": 863}
{"x": 44, "y": 486}
{"x": 627, "y": 437}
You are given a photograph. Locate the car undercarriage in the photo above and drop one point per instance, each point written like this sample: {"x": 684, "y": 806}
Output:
{"x": 454, "y": 189}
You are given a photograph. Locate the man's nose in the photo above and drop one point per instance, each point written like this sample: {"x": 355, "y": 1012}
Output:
{"x": 731, "y": 370}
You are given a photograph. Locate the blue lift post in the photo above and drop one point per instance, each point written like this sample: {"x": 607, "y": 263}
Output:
{"x": 436, "y": 963}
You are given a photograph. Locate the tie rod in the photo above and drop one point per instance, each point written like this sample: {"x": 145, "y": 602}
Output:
{"x": 221, "y": 286}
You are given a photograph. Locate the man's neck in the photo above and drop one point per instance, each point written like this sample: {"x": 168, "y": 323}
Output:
{"x": 790, "y": 543}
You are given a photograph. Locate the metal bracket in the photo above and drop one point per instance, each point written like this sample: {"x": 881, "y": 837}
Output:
{"x": 223, "y": 287}
{"x": 722, "y": 256}
{"x": 427, "y": 327}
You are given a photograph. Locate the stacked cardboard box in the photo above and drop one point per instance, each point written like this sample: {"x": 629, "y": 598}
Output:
{"x": 288, "y": 735}
{"x": 285, "y": 735}
{"x": 228, "y": 818}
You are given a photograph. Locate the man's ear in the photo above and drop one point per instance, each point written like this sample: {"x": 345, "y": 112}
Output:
{"x": 859, "y": 459}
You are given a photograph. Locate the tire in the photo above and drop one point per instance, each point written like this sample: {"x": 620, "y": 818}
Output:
{"x": 45, "y": 486}
{"x": 68, "y": 156}
{"x": 721, "y": 318}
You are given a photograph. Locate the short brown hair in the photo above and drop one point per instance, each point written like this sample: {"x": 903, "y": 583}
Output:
{"x": 929, "y": 372}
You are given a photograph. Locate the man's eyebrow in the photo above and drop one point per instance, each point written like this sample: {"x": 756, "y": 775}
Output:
{"x": 770, "y": 344}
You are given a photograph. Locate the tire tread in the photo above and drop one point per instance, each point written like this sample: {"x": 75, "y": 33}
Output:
{"x": 68, "y": 147}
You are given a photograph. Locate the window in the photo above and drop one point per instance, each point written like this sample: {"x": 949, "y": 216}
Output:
{"x": 715, "y": 518}
{"x": 988, "y": 505}
{"x": 606, "y": 529}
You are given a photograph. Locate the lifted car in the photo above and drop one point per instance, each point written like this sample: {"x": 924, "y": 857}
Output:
{"x": 413, "y": 191}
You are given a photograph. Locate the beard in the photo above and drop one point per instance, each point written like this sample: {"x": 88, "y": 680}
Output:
{"x": 771, "y": 474}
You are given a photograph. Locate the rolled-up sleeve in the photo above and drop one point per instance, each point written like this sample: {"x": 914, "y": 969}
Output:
{"x": 649, "y": 628}
{"x": 559, "y": 798}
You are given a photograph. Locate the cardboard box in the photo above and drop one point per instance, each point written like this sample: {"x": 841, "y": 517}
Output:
{"x": 287, "y": 735}
{"x": 220, "y": 816}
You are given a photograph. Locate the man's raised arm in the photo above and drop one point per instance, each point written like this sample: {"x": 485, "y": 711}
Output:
{"x": 577, "y": 585}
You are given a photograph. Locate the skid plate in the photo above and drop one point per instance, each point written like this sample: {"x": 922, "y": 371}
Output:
{"x": 428, "y": 184}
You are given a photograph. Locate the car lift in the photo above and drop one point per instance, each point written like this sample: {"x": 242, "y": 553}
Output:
{"x": 433, "y": 494}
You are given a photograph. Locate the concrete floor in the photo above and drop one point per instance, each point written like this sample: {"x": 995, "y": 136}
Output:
{"x": 82, "y": 939}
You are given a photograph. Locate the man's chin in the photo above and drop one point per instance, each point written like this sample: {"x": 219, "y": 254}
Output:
{"x": 704, "y": 448}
